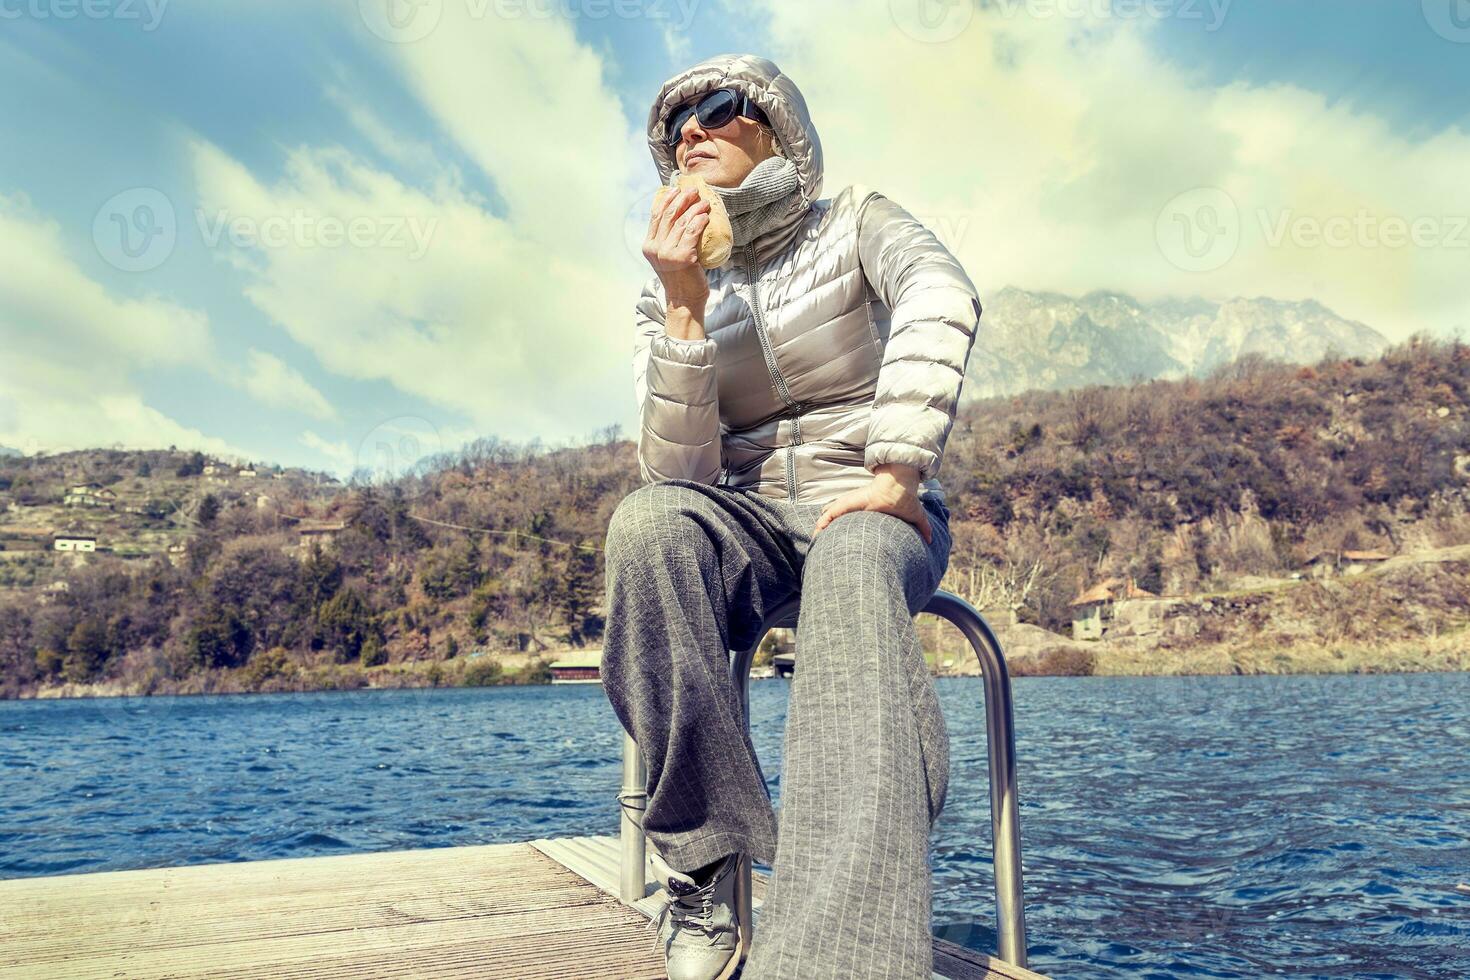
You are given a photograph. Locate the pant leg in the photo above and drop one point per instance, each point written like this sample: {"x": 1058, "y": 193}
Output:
{"x": 692, "y": 570}
{"x": 866, "y": 763}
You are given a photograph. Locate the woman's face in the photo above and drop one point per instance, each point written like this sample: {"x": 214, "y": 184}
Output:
{"x": 723, "y": 156}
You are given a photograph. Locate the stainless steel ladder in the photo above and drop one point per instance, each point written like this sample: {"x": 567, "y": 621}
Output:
{"x": 1005, "y": 821}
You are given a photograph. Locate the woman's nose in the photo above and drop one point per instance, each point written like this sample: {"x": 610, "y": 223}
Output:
{"x": 691, "y": 127}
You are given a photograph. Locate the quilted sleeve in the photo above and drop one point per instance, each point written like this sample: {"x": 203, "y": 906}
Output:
{"x": 935, "y": 314}
{"x": 674, "y": 382}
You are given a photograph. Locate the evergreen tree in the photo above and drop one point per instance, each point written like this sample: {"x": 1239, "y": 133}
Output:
{"x": 86, "y": 650}
{"x": 320, "y": 577}
{"x": 578, "y": 591}
{"x": 345, "y": 624}
{"x": 218, "y": 638}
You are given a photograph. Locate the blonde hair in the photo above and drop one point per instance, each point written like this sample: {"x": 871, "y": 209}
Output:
{"x": 772, "y": 140}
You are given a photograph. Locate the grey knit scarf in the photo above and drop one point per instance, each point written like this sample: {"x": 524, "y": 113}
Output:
{"x": 767, "y": 194}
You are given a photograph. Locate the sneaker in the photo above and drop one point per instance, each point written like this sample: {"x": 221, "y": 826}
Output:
{"x": 698, "y": 923}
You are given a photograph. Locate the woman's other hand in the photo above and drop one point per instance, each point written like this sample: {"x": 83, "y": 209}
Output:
{"x": 894, "y": 490}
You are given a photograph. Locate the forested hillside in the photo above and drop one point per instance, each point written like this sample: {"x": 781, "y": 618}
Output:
{"x": 251, "y": 578}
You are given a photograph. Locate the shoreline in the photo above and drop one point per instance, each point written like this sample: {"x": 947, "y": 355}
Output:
{"x": 513, "y": 671}
{"x": 1447, "y": 653}
{"x": 1442, "y": 655}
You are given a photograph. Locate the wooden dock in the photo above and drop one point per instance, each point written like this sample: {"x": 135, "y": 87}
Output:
{"x": 540, "y": 909}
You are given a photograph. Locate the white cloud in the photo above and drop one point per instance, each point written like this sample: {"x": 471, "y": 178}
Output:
{"x": 521, "y": 321}
{"x": 536, "y": 110}
{"x": 338, "y": 452}
{"x": 273, "y": 382}
{"x": 412, "y": 155}
{"x": 66, "y": 314}
{"x": 677, "y": 45}
{"x": 1049, "y": 146}
{"x": 69, "y": 347}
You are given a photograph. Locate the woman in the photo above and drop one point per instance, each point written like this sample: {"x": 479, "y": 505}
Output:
{"x": 794, "y": 407}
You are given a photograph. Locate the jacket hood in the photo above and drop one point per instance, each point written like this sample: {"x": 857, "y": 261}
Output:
{"x": 767, "y": 87}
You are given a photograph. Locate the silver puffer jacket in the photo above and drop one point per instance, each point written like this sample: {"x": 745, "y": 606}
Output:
{"x": 834, "y": 342}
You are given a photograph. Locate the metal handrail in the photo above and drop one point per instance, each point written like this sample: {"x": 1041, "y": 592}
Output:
{"x": 1005, "y": 819}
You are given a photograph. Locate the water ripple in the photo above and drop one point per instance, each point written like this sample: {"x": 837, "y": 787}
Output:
{"x": 1171, "y": 827}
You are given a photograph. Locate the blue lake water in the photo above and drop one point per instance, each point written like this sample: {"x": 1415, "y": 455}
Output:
{"x": 1171, "y": 827}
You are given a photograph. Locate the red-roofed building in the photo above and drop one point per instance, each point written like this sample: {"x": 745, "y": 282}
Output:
{"x": 1095, "y": 604}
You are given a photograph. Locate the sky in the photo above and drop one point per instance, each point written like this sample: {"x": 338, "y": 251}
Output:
{"x": 347, "y": 234}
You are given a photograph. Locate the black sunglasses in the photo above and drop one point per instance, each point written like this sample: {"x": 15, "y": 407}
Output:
{"x": 714, "y": 109}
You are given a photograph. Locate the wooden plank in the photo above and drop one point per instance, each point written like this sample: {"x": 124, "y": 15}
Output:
{"x": 597, "y": 858}
{"x": 489, "y": 911}
{"x": 961, "y": 963}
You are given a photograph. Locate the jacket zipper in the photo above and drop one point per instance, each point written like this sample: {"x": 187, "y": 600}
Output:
{"x": 770, "y": 357}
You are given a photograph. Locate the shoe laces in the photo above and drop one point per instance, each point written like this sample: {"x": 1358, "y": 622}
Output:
{"x": 693, "y": 910}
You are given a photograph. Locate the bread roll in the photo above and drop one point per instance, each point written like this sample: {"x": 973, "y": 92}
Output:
{"x": 718, "y": 241}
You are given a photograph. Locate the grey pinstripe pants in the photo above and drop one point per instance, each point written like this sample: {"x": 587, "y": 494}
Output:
{"x": 692, "y": 571}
